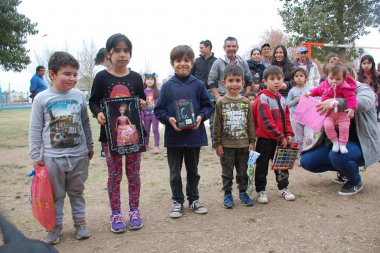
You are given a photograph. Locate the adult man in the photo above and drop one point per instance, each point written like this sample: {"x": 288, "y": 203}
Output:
{"x": 310, "y": 67}
{"x": 217, "y": 71}
{"x": 37, "y": 83}
{"x": 201, "y": 70}
{"x": 265, "y": 53}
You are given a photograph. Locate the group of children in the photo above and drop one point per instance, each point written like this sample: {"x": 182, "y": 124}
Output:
{"x": 241, "y": 124}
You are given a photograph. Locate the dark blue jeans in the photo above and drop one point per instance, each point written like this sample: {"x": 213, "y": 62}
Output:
{"x": 211, "y": 121}
{"x": 322, "y": 159}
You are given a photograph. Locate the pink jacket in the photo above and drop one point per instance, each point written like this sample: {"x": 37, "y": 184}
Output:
{"x": 346, "y": 90}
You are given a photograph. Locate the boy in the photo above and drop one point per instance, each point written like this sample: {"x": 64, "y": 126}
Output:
{"x": 272, "y": 123}
{"x": 251, "y": 96}
{"x": 234, "y": 135}
{"x": 183, "y": 143}
{"x": 59, "y": 122}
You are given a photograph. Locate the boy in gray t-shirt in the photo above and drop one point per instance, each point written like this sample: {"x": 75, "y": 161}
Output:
{"x": 60, "y": 124}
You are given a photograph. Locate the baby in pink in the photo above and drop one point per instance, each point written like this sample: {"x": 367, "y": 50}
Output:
{"x": 337, "y": 85}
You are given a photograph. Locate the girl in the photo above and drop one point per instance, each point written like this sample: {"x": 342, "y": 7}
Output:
{"x": 256, "y": 68}
{"x": 101, "y": 63}
{"x": 337, "y": 85}
{"x": 299, "y": 77}
{"x": 367, "y": 74}
{"x": 151, "y": 92}
{"x": 119, "y": 81}
{"x": 280, "y": 59}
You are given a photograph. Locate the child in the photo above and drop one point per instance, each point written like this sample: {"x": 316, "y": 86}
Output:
{"x": 119, "y": 81}
{"x": 251, "y": 96}
{"x": 60, "y": 124}
{"x": 272, "y": 123}
{"x": 183, "y": 143}
{"x": 234, "y": 135}
{"x": 151, "y": 92}
{"x": 299, "y": 77}
{"x": 337, "y": 85}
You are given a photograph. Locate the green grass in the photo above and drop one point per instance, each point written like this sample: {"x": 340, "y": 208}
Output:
{"x": 11, "y": 166}
{"x": 14, "y": 125}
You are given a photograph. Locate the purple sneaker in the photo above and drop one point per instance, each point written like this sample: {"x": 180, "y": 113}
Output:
{"x": 117, "y": 223}
{"x": 135, "y": 221}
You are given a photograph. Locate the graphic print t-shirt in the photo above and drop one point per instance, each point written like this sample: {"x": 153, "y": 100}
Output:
{"x": 150, "y": 102}
{"x": 66, "y": 127}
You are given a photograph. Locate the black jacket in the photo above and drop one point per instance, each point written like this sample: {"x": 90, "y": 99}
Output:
{"x": 201, "y": 68}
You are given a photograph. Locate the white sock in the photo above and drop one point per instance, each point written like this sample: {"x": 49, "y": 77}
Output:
{"x": 335, "y": 146}
{"x": 343, "y": 149}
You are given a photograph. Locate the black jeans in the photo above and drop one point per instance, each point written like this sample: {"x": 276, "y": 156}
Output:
{"x": 238, "y": 158}
{"x": 175, "y": 159}
{"x": 266, "y": 148}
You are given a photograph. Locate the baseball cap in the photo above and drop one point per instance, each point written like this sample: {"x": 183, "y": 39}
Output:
{"x": 265, "y": 45}
{"x": 303, "y": 49}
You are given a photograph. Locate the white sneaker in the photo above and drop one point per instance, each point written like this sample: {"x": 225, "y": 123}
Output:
{"x": 286, "y": 194}
{"x": 262, "y": 197}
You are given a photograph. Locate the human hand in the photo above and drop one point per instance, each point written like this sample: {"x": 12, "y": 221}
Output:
{"x": 298, "y": 99}
{"x": 198, "y": 120}
{"x": 289, "y": 139}
{"x": 38, "y": 163}
{"x": 90, "y": 154}
{"x": 251, "y": 147}
{"x": 283, "y": 86}
{"x": 142, "y": 104}
{"x": 307, "y": 93}
{"x": 256, "y": 87}
{"x": 172, "y": 122}
{"x": 219, "y": 151}
{"x": 350, "y": 113}
{"x": 284, "y": 143}
{"x": 217, "y": 97}
{"x": 101, "y": 118}
{"x": 324, "y": 107}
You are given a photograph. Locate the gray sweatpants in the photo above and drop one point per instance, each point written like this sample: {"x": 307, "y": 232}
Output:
{"x": 68, "y": 174}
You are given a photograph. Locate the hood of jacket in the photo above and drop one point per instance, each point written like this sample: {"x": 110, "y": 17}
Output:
{"x": 255, "y": 65}
{"x": 269, "y": 94}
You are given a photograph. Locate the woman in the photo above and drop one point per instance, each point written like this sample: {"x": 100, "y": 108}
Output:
{"x": 363, "y": 144}
{"x": 280, "y": 59}
{"x": 256, "y": 68}
{"x": 331, "y": 58}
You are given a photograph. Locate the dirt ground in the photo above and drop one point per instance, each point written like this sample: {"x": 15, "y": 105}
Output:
{"x": 319, "y": 220}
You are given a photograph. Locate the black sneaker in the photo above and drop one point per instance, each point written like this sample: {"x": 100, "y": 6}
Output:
{"x": 349, "y": 189}
{"x": 102, "y": 155}
{"x": 177, "y": 210}
{"x": 197, "y": 207}
{"x": 341, "y": 178}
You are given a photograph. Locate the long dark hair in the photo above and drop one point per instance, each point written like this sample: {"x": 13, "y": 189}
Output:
{"x": 100, "y": 56}
{"x": 155, "y": 88}
{"x": 286, "y": 64}
{"x": 361, "y": 77}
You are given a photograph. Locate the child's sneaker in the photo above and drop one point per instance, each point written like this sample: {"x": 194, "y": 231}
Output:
{"x": 262, "y": 197}
{"x": 177, "y": 210}
{"x": 135, "y": 221}
{"x": 102, "y": 155}
{"x": 247, "y": 201}
{"x": 228, "y": 201}
{"x": 349, "y": 189}
{"x": 156, "y": 150}
{"x": 286, "y": 194}
{"x": 341, "y": 178}
{"x": 82, "y": 230}
{"x": 53, "y": 236}
{"x": 197, "y": 207}
{"x": 166, "y": 153}
{"x": 117, "y": 223}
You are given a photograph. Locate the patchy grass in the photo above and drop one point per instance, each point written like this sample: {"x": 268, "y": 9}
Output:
{"x": 14, "y": 127}
{"x": 11, "y": 166}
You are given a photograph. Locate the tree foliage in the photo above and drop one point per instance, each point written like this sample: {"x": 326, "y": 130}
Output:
{"x": 13, "y": 31}
{"x": 330, "y": 21}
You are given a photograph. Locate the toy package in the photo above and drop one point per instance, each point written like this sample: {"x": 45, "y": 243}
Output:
{"x": 185, "y": 114}
{"x": 253, "y": 155}
{"x": 284, "y": 158}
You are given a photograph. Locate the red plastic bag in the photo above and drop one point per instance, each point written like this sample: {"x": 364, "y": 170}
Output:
{"x": 42, "y": 199}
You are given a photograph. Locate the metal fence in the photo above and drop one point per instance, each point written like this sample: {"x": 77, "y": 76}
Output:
{"x": 10, "y": 100}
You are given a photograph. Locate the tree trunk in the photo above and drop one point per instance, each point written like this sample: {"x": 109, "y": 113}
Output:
{"x": 340, "y": 35}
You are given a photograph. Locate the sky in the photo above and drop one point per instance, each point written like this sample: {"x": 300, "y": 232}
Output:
{"x": 154, "y": 27}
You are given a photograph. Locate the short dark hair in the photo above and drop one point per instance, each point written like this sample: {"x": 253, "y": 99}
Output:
{"x": 265, "y": 45}
{"x": 116, "y": 38}
{"x": 331, "y": 55}
{"x": 253, "y": 50}
{"x": 336, "y": 68}
{"x": 294, "y": 71}
{"x": 39, "y": 68}
{"x": 233, "y": 70}
{"x": 207, "y": 43}
{"x": 179, "y": 51}
{"x": 61, "y": 59}
{"x": 272, "y": 70}
{"x": 230, "y": 39}
{"x": 251, "y": 93}
{"x": 100, "y": 56}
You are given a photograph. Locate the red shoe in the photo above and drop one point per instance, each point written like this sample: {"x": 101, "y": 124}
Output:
{"x": 156, "y": 150}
